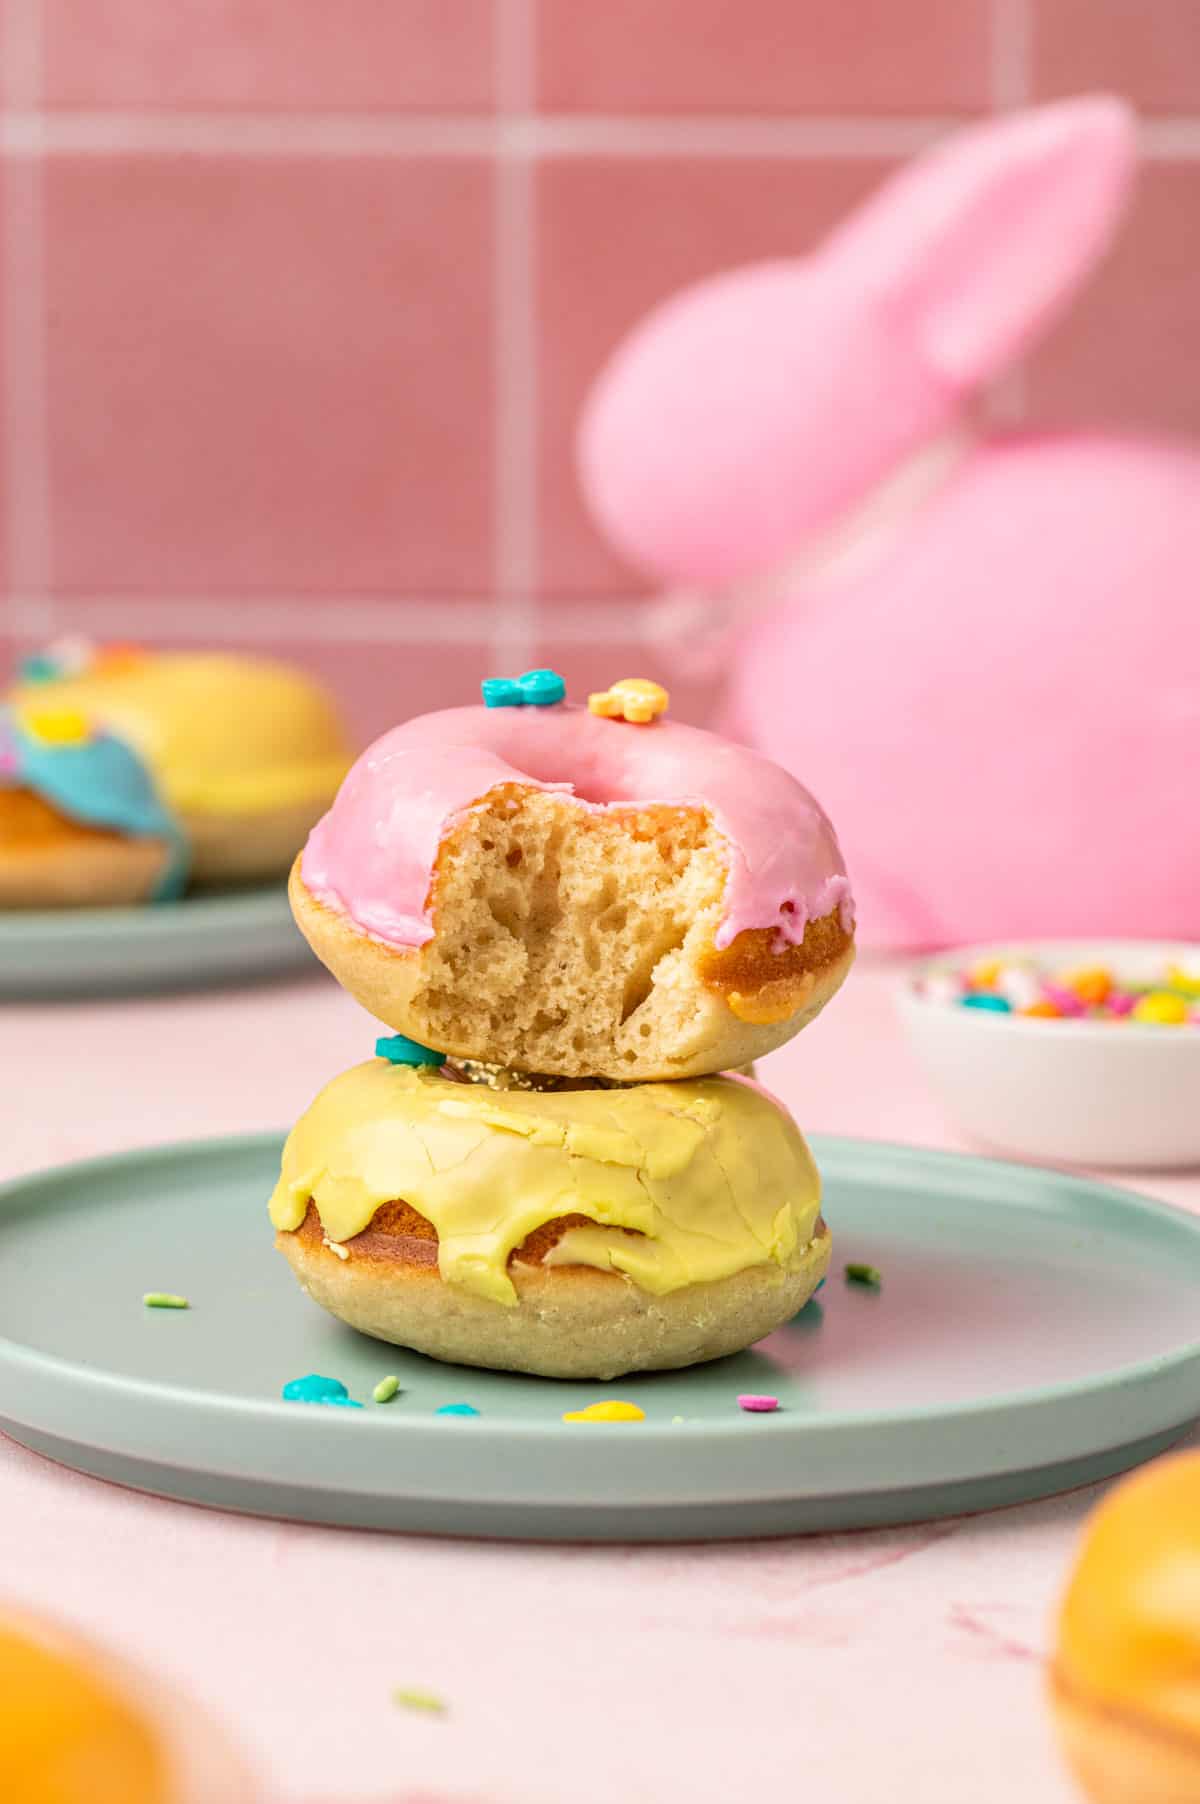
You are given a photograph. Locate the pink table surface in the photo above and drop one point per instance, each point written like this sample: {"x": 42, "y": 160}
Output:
{"x": 846, "y": 1669}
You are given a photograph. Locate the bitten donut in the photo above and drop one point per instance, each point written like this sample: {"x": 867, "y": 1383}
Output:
{"x": 576, "y": 1232}
{"x": 126, "y": 776}
{"x": 560, "y": 890}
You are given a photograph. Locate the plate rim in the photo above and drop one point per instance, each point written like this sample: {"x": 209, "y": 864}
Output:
{"x": 17, "y": 1355}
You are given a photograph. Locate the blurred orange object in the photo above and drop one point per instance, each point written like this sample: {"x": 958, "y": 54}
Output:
{"x": 77, "y": 1727}
{"x": 1045, "y": 1011}
{"x": 1092, "y": 985}
{"x": 1125, "y": 1680}
{"x": 119, "y": 656}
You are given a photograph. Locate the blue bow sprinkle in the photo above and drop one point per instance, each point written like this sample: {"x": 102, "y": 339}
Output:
{"x": 398, "y": 1049}
{"x": 536, "y": 689}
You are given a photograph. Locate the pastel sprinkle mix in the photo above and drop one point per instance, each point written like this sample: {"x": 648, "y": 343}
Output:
{"x": 1017, "y": 986}
{"x": 456, "y": 1409}
{"x": 864, "y": 1274}
{"x": 406, "y": 1697}
{"x": 164, "y": 1299}
{"x": 536, "y": 689}
{"x": 635, "y": 699}
{"x": 756, "y": 1403}
{"x": 613, "y": 1411}
{"x": 398, "y": 1049}
{"x": 386, "y": 1389}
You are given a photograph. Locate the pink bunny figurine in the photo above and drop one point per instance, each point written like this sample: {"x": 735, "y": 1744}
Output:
{"x": 983, "y": 654}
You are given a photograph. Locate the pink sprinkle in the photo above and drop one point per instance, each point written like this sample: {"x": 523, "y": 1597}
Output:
{"x": 1120, "y": 1002}
{"x": 1064, "y": 1000}
{"x": 759, "y": 1405}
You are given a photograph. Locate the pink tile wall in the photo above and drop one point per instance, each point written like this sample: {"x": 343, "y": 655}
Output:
{"x": 264, "y": 54}
{"x": 269, "y": 374}
{"x": 763, "y": 56}
{"x": 298, "y": 298}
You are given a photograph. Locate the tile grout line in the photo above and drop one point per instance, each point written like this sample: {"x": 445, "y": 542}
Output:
{"x": 531, "y": 137}
{"x": 24, "y": 421}
{"x": 1006, "y": 401}
{"x": 1011, "y": 54}
{"x": 514, "y": 130}
{"x": 384, "y": 620}
{"x": 514, "y": 424}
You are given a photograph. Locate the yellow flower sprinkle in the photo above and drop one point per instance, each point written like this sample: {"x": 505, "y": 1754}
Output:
{"x": 635, "y": 699}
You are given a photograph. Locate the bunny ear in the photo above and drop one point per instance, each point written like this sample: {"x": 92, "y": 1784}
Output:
{"x": 976, "y": 245}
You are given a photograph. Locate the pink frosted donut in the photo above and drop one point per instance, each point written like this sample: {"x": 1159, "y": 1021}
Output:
{"x": 549, "y": 890}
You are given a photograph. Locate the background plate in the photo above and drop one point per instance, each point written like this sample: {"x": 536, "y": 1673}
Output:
{"x": 189, "y": 944}
{"x": 1034, "y": 1331}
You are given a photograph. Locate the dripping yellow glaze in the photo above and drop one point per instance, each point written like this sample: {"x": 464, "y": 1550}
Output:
{"x": 712, "y": 1174}
{"x": 221, "y": 735}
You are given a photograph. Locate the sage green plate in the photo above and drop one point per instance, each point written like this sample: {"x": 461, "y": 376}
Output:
{"x": 228, "y": 938}
{"x": 1033, "y": 1332}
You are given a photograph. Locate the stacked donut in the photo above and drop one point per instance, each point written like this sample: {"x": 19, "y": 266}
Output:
{"x": 576, "y": 920}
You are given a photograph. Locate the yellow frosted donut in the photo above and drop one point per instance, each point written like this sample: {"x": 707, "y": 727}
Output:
{"x": 572, "y": 1232}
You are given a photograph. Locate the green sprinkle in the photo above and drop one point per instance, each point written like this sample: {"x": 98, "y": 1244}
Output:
{"x": 162, "y": 1299}
{"x": 428, "y": 1701}
{"x": 386, "y": 1389}
{"x": 864, "y": 1274}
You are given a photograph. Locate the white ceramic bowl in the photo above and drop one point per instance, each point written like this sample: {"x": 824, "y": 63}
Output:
{"x": 1085, "y": 1092}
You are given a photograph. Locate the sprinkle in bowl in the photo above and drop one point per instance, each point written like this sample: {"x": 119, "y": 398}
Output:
{"x": 1080, "y": 1051}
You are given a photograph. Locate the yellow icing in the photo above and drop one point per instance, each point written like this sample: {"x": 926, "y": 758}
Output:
{"x": 221, "y": 734}
{"x": 712, "y": 1174}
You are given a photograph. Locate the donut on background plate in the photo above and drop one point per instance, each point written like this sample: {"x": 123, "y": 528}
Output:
{"x": 126, "y": 776}
{"x": 559, "y": 890}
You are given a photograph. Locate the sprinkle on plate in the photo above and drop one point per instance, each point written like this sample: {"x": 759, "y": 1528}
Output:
{"x": 868, "y": 1275}
{"x": 757, "y": 1402}
{"x": 611, "y": 1411}
{"x": 164, "y": 1299}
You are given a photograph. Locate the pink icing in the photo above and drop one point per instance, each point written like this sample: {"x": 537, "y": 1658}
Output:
{"x": 373, "y": 854}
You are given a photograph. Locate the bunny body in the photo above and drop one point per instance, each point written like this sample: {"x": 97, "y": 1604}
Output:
{"x": 998, "y": 701}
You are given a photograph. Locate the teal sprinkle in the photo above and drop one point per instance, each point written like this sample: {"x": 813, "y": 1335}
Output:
{"x": 535, "y": 689}
{"x": 542, "y": 688}
{"x": 398, "y": 1049}
{"x": 40, "y": 668}
{"x": 339, "y": 1402}
{"x": 456, "y": 1409}
{"x": 994, "y": 1005}
{"x": 315, "y": 1389}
